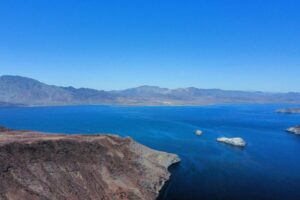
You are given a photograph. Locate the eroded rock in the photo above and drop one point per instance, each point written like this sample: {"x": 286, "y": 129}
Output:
{"x": 39, "y": 166}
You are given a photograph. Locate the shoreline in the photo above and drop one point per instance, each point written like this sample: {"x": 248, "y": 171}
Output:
{"x": 150, "y": 105}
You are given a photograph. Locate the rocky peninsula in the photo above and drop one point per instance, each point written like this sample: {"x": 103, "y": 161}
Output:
{"x": 40, "y": 166}
{"x": 236, "y": 141}
{"x": 295, "y": 130}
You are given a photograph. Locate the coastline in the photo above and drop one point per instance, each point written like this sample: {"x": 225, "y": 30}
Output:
{"x": 153, "y": 105}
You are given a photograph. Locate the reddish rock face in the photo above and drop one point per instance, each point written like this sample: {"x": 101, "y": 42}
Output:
{"x": 36, "y": 166}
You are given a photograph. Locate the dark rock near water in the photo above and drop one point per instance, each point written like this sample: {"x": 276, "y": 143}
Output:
{"x": 40, "y": 166}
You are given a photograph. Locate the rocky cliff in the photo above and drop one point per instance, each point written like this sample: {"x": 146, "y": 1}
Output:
{"x": 40, "y": 166}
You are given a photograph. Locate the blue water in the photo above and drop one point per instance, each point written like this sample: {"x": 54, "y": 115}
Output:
{"x": 268, "y": 168}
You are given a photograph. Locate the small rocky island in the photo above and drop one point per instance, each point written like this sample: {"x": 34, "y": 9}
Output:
{"x": 295, "y": 130}
{"x": 40, "y": 166}
{"x": 236, "y": 141}
{"x": 198, "y": 132}
{"x": 289, "y": 111}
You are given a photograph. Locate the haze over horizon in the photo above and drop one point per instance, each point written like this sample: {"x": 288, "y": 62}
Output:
{"x": 138, "y": 86}
{"x": 230, "y": 45}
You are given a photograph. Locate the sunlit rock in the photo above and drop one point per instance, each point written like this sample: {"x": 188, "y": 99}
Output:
{"x": 236, "y": 141}
{"x": 198, "y": 132}
{"x": 295, "y": 130}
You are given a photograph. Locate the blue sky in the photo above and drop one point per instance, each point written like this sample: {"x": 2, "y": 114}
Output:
{"x": 229, "y": 44}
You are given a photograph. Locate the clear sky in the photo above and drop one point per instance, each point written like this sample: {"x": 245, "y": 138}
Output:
{"x": 110, "y": 44}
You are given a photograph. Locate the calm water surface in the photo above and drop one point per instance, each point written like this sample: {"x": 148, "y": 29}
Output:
{"x": 268, "y": 168}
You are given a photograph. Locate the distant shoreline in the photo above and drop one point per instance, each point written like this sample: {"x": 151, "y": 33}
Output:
{"x": 151, "y": 105}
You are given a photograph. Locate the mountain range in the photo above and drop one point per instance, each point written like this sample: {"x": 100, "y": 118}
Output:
{"x": 17, "y": 90}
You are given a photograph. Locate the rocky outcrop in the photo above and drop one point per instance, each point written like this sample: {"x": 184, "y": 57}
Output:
{"x": 40, "y": 166}
{"x": 289, "y": 110}
{"x": 237, "y": 141}
{"x": 295, "y": 130}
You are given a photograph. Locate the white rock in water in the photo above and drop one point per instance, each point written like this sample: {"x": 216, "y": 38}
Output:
{"x": 198, "y": 132}
{"x": 237, "y": 141}
{"x": 289, "y": 110}
{"x": 295, "y": 130}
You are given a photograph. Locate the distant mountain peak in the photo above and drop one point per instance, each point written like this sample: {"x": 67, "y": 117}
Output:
{"x": 23, "y": 90}
{"x": 18, "y": 79}
{"x": 148, "y": 87}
